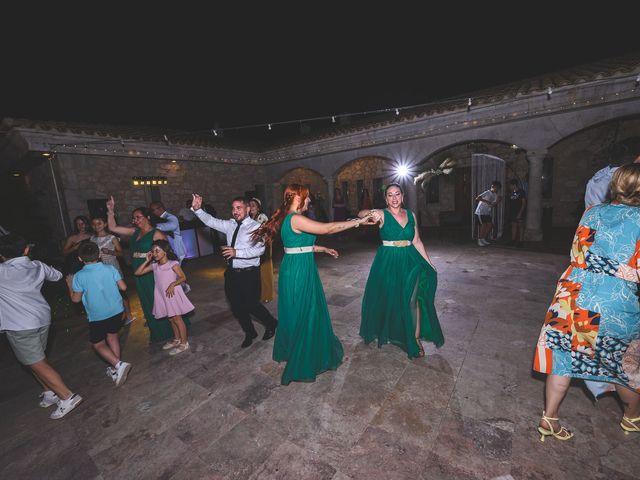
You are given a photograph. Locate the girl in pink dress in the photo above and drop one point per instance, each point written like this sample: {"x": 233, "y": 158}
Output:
{"x": 168, "y": 301}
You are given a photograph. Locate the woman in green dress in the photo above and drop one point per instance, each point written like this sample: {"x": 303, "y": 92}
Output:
{"x": 398, "y": 300}
{"x": 304, "y": 339}
{"x": 142, "y": 236}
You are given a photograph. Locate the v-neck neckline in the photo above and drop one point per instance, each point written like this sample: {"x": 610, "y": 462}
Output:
{"x": 396, "y": 220}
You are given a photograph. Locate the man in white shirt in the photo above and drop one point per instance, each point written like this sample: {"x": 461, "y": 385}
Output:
{"x": 487, "y": 200}
{"x": 242, "y": 277}
{"x": 25, "y": 316}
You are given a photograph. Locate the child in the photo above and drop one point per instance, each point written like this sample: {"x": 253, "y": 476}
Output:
{"x": 486, "y": 201}
{"x": 98, "y": 287}
{"x": 110, "y": 249}
{"x": 168, "y": 301}
{"x": 25, "y": 316}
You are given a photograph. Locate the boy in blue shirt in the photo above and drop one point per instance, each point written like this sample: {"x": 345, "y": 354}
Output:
{"x": 98, "y": 287}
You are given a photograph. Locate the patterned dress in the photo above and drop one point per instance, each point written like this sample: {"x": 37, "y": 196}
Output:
{"x": 592, "y": 328}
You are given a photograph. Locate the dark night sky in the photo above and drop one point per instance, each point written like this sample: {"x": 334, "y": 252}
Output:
{"x": 192, "y": 72}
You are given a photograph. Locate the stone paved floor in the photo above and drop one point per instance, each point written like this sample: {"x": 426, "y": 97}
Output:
{"x": 467, "y": 410}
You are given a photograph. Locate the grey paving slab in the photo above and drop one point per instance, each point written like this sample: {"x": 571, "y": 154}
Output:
{"x": 467, "y": 410}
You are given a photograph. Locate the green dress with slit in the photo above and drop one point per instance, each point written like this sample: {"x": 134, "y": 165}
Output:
{"x": 159, "y": 329}
{"x": 400, "y": 280}
{"x": 304, "y": 338}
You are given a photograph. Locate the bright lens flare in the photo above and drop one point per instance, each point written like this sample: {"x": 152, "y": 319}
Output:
{"x": 402, "y": 171}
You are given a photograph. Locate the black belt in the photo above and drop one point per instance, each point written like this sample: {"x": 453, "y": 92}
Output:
{"x": 246, "y": 269}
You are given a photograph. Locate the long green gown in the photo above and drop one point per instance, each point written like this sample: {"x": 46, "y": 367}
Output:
{"x": 159, "y": 329}
{"x": 304, "y": 338}
{"x": 399, "y": 280}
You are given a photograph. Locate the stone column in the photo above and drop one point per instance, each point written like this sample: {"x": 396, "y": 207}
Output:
{"x": 330, "y": 187}
{"x": 411, "y": 196}
{"x": 533, "y": 227}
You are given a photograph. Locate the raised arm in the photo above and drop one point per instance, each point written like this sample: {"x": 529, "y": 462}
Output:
{"x": 300, "y": 223}
{"x": 145, "y": 267}
{"x": 111, "y": 220}
{"x": 417, "y": 242}
{"x": 208, "y": 220}
{"x": 170, "y": 225}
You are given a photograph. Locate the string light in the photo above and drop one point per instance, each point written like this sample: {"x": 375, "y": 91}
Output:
{"x": 468, "y": 104}
{"x": 638, "y": 81}
{"x": 397, "y": 112}
{"x": 333, "y": 119}
{"x": 166, "y": 139}
{"x": 549, "y": 92}
{"x": 269, "y": 126}
{"x": 571, "y": 104}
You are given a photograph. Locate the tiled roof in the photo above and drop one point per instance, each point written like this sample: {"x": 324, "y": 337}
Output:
{"x": 622, "y": 65}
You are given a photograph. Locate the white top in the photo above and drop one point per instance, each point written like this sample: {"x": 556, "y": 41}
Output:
{"x": 247, "y": 251}
{"x": 107, "y": 242}
{"x": 597, "y": 191}
{"x": 22, "y": 306}
{"x": 484, "y": 208}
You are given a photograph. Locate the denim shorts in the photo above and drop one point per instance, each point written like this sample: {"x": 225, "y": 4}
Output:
{"x": 29, "y": 345}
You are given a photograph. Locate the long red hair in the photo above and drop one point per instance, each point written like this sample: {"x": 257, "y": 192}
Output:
{"x": 271, "y": 227}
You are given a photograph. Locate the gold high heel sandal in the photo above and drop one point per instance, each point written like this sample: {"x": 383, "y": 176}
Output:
{"x": 631, "y": 421}
{"x": 561, "y": 434}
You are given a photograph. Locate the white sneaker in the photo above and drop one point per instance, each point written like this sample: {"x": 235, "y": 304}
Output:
{"x": 65, "y": 406}
{"x": 48, "y": 398}
{"x": 111, "y": 373}
{"x": 122, "y": 370}
{"x": 481, "y": 243}
{"x": 180, "y": 348}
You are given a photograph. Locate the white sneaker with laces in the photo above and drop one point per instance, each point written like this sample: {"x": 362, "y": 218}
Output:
{"x": 122, "y": 370}
{"x": 65, "y": 406}
{"x": 48, "y": 398}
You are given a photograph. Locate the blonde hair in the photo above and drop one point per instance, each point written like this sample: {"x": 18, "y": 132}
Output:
{"x": 625, "y": 185}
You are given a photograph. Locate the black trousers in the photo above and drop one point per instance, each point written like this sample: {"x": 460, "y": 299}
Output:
{"x": 242, "y": 288}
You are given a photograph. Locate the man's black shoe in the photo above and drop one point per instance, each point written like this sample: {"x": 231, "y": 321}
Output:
{"x": 268, "y": 333}
{"x": 248, "y": 339}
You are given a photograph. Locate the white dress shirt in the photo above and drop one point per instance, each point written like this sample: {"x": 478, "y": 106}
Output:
{"x": 22, "y": 306}
{"x": 248, "y": 252}
{"x": 173, "y": 225}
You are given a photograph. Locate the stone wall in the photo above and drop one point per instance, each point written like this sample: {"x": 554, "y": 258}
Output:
{"x": 365, "y": 169}
{"x": 578, "y": 157}
{"x": 93, "y": 177}
{"x": 303, "y": 176}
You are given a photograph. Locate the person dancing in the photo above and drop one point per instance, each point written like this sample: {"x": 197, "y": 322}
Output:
{"x": 305, "y": 338}
{"x": 592, "y": 328}
{"x": 142, "y": 236}
{"x": 266, "y": 261}
{"x": 397, "y": 306}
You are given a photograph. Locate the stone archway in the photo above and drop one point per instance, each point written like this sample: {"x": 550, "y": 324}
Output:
{"x": 313, "y": 180}
{"x": 369, "y": 173}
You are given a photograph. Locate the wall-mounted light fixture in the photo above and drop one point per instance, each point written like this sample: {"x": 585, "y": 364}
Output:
{"x": 151, "y": 181}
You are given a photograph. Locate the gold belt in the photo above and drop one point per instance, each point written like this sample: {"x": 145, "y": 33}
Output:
{"x": 139, "y": 255}
{"x": 396, "y": 243}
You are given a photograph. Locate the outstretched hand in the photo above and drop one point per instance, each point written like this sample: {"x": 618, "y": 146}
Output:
{"x": 196, "y": 203}
{"x": 111, "y": 203}
{"x": 369, "y": 219}
{"x": 332, "y": 252}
